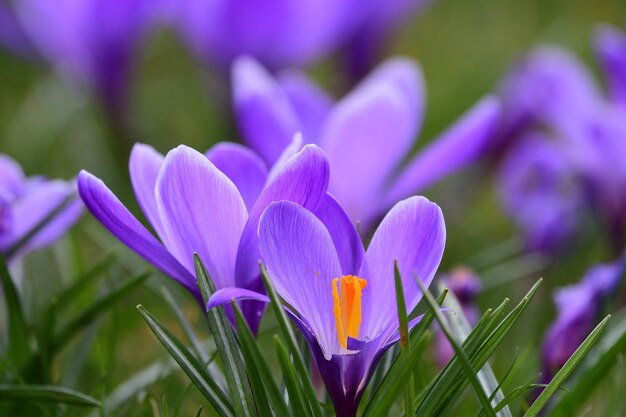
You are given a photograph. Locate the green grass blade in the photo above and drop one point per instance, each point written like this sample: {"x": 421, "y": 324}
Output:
{"x": 567, "y": 369}
{"x": 296, "y": 396}
{"x": 46, "y": 393}
{"x": 100, "y": 306}
{"x": 227, "y": 348}
{"x": 605, "y": 356}
{"x": 194, "y": 369}
{"x": 470, "y": 372}
{"x": 405, "y": 345}
{"x": 18, "y": 350}
{"x": 254, "y": 359}
{"x": 292, "y": 343}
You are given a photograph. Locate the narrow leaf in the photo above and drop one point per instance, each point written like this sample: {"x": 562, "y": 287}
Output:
{"x": 18, "y": 350}
{"x": 46, "y": 393}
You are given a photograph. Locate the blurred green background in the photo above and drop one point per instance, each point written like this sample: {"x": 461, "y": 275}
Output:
{"x": 54, "y": 128}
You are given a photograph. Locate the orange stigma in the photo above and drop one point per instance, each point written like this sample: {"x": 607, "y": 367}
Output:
{"x": 347, "y": 307}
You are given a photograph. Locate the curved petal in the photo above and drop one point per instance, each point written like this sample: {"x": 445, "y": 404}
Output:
{"x": 12, "y": 180}
{"x": 201, "y": 212}
{"x": 310, "y": 102}
{"x": 109, "y": 211}
{"x": 414, "y": 234}
{"x": 264, "y": 113}
{"x": 242, "y": 166}
{"x": 345, "y": 237}
{"x": 366, "y": 136}
{"x": 459, "y": 146}
{"x": 302, "y": 263}
{"x": 304, "y": 180}
{"x": 226, "y": 295}
{"x": 289, "y": 152}
{"x": 144, "y": 166}
{"x": 611, "y": 49}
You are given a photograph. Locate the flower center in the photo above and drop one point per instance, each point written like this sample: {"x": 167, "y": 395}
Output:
{"x": 347, "y": 307}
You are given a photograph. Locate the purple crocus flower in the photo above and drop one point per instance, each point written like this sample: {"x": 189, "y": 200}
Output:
{"x": 208, "y": 205}
{"x": 578, "y": 308}
{"x": 465, "y": 285}
{"x": 341, "y": 297}
{"x": 366, "y": 135}
{"x": 278, "y": 33}
{"x": 541, "y": 192}
{"x": 93, "y": 41}
{"x": 25, "y": 202}
{"x": 611, "y": 49}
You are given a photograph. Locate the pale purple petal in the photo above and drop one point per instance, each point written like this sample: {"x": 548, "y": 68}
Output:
{"x": 12, "y": 35}
{"x": 144, "y": 166}
{"x": 611, "y": 49}
{"x": 461, "y": 145}
{"x": 310, "y": 102}
{"x": 105, "y": 207}
{"x": 201, "y": 212}
{"x": 226, "y": 295}
{"x": 12, "y": 180}
{"x": 365, "y": 138}
{"x": 302, "y": 263}
{"x": 344, "y": 234}
{"x": 304, "y": 180}
{"x": 264, "y": 113}
{"x": 414, "y": 234}
{"x": 289, "y": 152}
{"x": 242, "y": 166}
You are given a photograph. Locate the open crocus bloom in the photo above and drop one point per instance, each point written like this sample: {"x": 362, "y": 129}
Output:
{"x": 208, "y": 205}
{"x": 366, "y": 135}
{"x": 25, "y": 202}
{"x": 341, "y": 297}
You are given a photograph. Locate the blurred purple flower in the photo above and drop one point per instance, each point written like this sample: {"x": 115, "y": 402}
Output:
{"x": 278, "y": 33}
{"x": 540, "y": 191}
{"x": 611, "y": 49}
{"x": 26, "y": 202}
{"x": 465, "y": 285}
{"x": 93, "y": 41}
{"x": 208, "y": 205}
{"x": 366, "y": 135}
{"x": 578, "y": 309}
{"x": 341, "y": 297}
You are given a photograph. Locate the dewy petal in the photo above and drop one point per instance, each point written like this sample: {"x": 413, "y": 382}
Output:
{"x": 201, "y": 212}
{"x": 344, "y": 234}
{"x": 611, "y": 48}
{"x": 105, "y": 207}
{"x": 242, "y": 166}
{"x": 144, "y": 166}
{"x": 264, "y": 113}
{"x": 456, "y": 148}
{"x": 33, "y": 207}
{"x": 302, "y": 262}
{"x": 414, "y": 234}
{"x": 304, "y": 180}
{"x": 366, "y": 136}
{"x": 310, "y": 102}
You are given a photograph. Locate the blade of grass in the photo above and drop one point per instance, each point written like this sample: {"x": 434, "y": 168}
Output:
{"x": 567, "y": 369}
{"x": 292, "y": 343}
{"x": 47, "y": 393}
{"x": 405, "y": 345}
{"x": 190, "y": 365}
{"x": 18, "y": 350}
{"x": 227, "y": 347}
{"x": 296, "y": 397}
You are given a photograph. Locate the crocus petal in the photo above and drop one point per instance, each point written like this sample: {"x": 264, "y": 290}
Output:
{"x": 302, "y": 263}
{"x": 242, "y": 166}
{"x": 345, "y": 237}
{"x": 366, "y": 136}
{"x": 105, "y": 207}
{"x": 12, "y": 178}
{"x": 264, "y": 112}
{"x": 144, "y": 165}
{"x": 456, "y": 148}
{"x": 611, "y": 48}
{"x": 303, "y": 180}
{"x": 414, "y": 234}
{"x": 201, "y": 212}
{"x": 289, "y": 152}
{"x": 310, "y": 102}
{"x": 33, "y": 207}
{"x": 226, "y": 295}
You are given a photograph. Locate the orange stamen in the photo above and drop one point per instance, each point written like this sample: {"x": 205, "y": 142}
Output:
{"x": 347, "y": 307}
